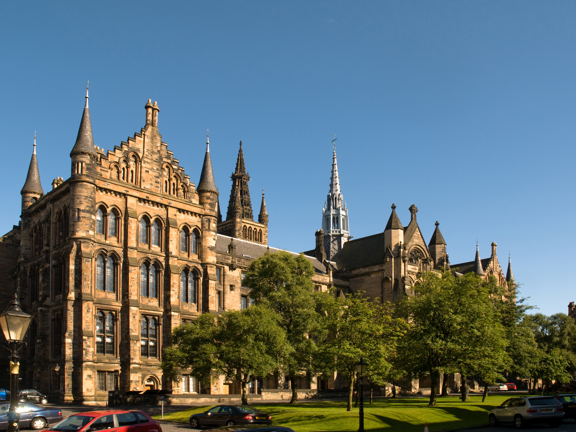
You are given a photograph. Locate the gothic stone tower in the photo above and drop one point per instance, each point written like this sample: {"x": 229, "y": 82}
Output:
{"x": 239, "y": 221}
{"x": 334, "y": 215}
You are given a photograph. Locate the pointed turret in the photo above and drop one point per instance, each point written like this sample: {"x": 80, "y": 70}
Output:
{"x": 263, "y": 216}
{"x": 84, "y": 140}
{"x": 478, "y": 263}
{"x": 335, "y": 222}
{"x": 32, "y": 189}
{"x": 207, "y": 183}
{"x": 509, "y": 274}
{"x": 437, "y": 248}
{"x": 393, "y": 221}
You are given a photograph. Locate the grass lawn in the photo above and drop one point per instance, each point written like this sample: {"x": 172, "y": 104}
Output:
{"x": 403, "y": 414}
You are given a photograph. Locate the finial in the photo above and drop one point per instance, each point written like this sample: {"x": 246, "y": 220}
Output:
{"x": 240, "y": 144}
{"x": 393, "y": 206}
{"x": 207, "y": 136}
{"x": 34, "y": 151}
{"x": 334, "y": 142}
{"x": 262, "y": 192}
{"x": 87, "y": 97}
{"x": 437, "y": 223}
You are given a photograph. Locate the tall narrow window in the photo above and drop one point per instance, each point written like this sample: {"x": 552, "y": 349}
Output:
{"x": 99, "y": 221}
{"x": 57, "y": 335}
{"x": 143, "y": 231}
{"x": 183, "y": 241}
{"x": 110, "y": 279}
{"x": 148, "y": 337}
{"x": 191, "y": 288}
{"x": 100, "y": 268}
{"x": 193, "y": 243}
{"x": 153, "y": 282}
{"x": 105, "y": 333}
{"x": 144, "y": 280}
{"x": 183, "y": 287}
{"x": 112, "y": 231}
{"x": 155, "y": 234}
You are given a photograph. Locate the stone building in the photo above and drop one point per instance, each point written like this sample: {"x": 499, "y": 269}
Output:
{"x": 113, "y": 258}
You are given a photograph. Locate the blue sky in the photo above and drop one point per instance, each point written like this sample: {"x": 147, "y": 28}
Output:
{"x": 466, "y": 109}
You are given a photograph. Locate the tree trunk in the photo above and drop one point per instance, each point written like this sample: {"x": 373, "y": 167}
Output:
{"x": 434, "y": 378}
{"x": 485, "y": 392}
{"x": 371, "y": 394}
{"x": 294, "y": 389}
{"x": 350, "y": 393}
{"x": 244, "y": 393}
{"x": 463, "y": 388}
{"x": 445, "y": 384}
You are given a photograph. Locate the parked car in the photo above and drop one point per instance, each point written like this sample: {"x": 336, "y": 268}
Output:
{"x": 253, "y": 429}
{"x": 523, "y": 410}
{"x": 120, "y": 420}
{"x": 497, "y": 387}
{"x": 31, "y": 416}
{"x": 511, "y": 386}
{"x": 226, "y": 415}
{"x": 31, "y": 395}
{"x": 568, "y": 401}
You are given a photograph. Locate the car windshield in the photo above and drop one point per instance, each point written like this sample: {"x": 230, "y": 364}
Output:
{"x": 543, "y": 401}
{"x": 247, "y": 409}
{"x": 72, "y": 423}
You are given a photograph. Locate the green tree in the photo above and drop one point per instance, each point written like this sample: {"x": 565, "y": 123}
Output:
{"x": 454, "y": 327}
{"x": 241, "y": 345}
{"x": 283, "y": 283}
{"x": 357, "y": 327}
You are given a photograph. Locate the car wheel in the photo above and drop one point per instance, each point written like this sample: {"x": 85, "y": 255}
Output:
{"x": 194, "y": 423}
{"x": 518, "y": 421}
{"x": 492, "y": 420}
{"x": 38, "y": 423}
{"x": 229, "y": 423}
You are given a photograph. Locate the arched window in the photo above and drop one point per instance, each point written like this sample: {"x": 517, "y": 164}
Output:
{"x": 105, "y": 333}
{"x": 245, "y": 232}
{"x": 193, "y": 243}
{"x": 144, "y": 230}
{"x": 155, "y": 234}
{"x": 99, "y": 221}
{"x": 148, "y": 281}
{"x": 188, "y": 290}
{"x": 148, "y": 337}
{"x": 100, "y": 269}
{"x": 112, "y": 229}
{"x": 110, "y": 276}
{"x": 183, "y": 240}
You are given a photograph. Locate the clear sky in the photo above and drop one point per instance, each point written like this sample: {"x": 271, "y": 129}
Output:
{"x": 465, "y": 108}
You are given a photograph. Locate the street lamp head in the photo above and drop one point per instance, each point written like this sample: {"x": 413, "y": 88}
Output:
{"x": 361, "y": 366}
{"x": 14, "y": 321}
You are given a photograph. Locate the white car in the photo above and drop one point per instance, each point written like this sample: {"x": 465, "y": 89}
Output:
{"x": 497, "y": 387}
{"x": 523, "y": 410}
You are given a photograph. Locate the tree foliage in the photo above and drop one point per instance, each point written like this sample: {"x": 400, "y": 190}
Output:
{"x": 283, "y": 282}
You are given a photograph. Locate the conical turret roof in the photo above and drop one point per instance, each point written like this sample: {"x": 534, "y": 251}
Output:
{"x": 33, "y": 183}
{"x": 394, "y": 221}
{"x": 437, "y": 238}
{"x": 509, "y": 274}
{"x": 207, "y": 183}
{"x": 84, "y": 140}
{"x": 478, "y": 263}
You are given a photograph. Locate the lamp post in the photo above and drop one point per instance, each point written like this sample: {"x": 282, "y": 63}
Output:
{"x": 14, "y": 322}
{"x": 361, "y": 368}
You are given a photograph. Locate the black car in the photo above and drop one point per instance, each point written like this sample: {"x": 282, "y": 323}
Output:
{"x": 569, "y": 403}
{"x": 227, "y": 415}
{"x": 31, "y": 395}
{"x": 31, "y": 416}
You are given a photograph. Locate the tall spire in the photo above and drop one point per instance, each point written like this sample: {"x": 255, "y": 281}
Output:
{"x": 33, "y": 184}
{"x": 509, "y": 274}
{"x": 84, "y": 140}
{"x": 478, "y": 263}
{"x": 207, "y": 183}
{"x": 335, "y": 222}
{"x": 263, "y": 216}
{"x": 240, "y": 204}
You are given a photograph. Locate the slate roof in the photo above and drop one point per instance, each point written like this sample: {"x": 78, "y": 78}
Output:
{"x": 33, "y": 183}
{"x": 468, "y": 267}
{"x": 84, "y": 140}
{"x": 363, "y": 252}
{"x": 251, "y": 250}
{"x": 207, "y": 183}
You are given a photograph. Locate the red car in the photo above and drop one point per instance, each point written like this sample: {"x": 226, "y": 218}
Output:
{"x": 511, "y": 386}
{"x": 121, "y": 421}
